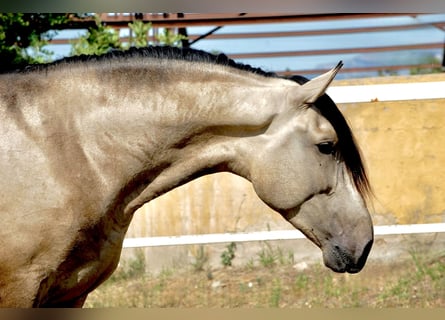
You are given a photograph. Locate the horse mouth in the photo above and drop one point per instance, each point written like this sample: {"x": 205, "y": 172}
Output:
{"x": 340, "y": 260}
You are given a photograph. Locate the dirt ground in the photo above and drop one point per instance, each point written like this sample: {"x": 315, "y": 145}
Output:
{"x": 274, "y": 279}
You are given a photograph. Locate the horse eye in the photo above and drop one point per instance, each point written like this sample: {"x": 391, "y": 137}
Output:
{"x": 326, "y": 147}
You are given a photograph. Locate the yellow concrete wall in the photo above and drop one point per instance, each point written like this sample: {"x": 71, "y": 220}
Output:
{"x": 404, "y": 147}
{"x": 403, "y": 143}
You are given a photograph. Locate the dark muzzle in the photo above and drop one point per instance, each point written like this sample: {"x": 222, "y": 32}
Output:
{"x": 341, "y": 260}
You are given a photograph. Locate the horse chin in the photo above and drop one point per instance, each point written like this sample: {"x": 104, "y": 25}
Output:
{"x": 340, "y": 260}
{"x": 337, "y": 264}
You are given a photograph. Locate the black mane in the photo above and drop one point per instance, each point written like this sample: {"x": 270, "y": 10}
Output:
{"x": 347, "y": 149}
{"x": 159, "y": 52}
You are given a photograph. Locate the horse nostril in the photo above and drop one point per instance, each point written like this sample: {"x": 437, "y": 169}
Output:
{"x": 351, "y": 263}
{"x": 362, "y": 260}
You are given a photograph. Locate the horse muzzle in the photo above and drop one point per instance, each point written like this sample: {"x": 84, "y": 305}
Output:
{"x": 340, "y": 259}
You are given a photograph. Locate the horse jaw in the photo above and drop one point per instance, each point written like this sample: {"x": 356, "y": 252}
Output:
{"x": 339, "y": 224}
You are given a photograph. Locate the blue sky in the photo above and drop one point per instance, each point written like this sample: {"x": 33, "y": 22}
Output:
{"x": 423, "y": 35}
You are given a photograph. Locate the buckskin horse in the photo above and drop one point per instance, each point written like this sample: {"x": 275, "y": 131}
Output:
{"x": 86, "y": 141}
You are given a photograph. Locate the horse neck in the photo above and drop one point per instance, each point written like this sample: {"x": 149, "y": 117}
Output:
{"x": 178, "y": 106}
{"x": 212, "y": 95}
{"x": 179, "y": 126}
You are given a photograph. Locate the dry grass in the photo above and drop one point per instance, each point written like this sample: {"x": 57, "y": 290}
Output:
{"x": 417, "y": 282}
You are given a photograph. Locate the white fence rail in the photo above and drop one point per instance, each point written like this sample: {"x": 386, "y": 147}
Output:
{"x": 268, "y": 236}
{"x": 388, "y": 92}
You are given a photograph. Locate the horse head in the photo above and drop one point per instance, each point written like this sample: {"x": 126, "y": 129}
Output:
{"x": 308, "y": 168}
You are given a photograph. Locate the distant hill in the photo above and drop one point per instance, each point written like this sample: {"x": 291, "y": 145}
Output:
{"x": 382, "y": 59}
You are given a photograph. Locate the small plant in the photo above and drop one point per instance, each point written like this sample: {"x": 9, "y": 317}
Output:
{"x": 418, "y": 263}
{"x": 228, "y": 255}
{"x": 331, "y": 289}
{"x": 140, "y": 33}
{"x": 271, "y": 256}
{"x": 436, "y": 271}
{"x": 250, "y": 265}
{"x": 267, "y": 258}
{"x": 400, "y": 291}
{"x": 282, "y": 257}
{"x": 301, "y": 281}
{"x": 275, "y": 296}
{"x": 132, "y": 268}
{"x": 433, "y": 269}
{"x": 170, "y": 38}
{"x": 165, "y": 273}
{"x": 201, "y": 258}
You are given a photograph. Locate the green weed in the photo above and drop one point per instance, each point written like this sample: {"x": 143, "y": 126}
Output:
{"x": 270, "y": 256}
{"x": 267, "y": 258}
{"x": 201, "y": 258}
{"x": 275, "y": 295}
{"x": 132, "y": 268}
{"x": 301, "y": 281}
{"x": 228, "y": 255}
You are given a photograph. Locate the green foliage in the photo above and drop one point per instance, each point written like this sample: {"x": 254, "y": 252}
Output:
{"x": 201, "y": 258}
{"x": 140, "y": 32}
{"x": 170, "y": 38}
{"x": 228, "y": 255}
{"x": 434, "y": 270}
{"x": 275, "y": 295}
{"x": 301, "y": 281}
{"x": 435, "y": 66}
{"x": 267, "y": 258}
{"x": 434, "y": 62}
{"x": 134, "y": 268}
{"x": 98, "y": 40}
{"x": 270, "y": 257}
{"x": 250, "y": 265}
{"x": 387, "y": 72}
{"x": 23, "y": 36}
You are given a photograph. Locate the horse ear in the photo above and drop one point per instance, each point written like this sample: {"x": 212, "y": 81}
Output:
{"x": 316, "y": 87}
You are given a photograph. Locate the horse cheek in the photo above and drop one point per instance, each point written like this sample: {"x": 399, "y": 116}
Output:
{"x": 282, "y": 185}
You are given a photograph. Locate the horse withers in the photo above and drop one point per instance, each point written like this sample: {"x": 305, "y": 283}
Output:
{"x": 86, "y": 141}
